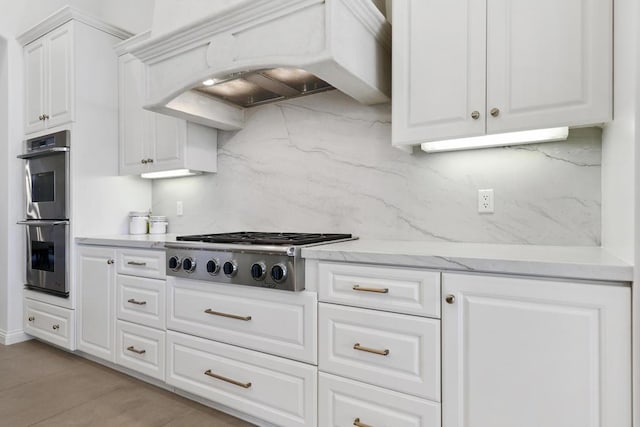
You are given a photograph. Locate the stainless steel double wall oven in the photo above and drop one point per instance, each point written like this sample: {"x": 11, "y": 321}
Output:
{"x": 47, "y": 212}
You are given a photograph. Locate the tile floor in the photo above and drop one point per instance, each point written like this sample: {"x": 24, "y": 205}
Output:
{"x": 43, "y": 386}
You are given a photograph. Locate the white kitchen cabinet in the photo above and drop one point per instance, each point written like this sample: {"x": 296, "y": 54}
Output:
{"x": 466, "y": 68}
{"x": 49, "y": 80}
{"x": 96, "y": 277}
{"x": 534, "y": 352}
{"x": 151, "y": 142}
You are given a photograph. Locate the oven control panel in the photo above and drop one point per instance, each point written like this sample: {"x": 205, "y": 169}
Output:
{"x": 275, "y": 271}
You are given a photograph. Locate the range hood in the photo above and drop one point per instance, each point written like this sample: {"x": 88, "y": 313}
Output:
{"x": 265, "y": 51}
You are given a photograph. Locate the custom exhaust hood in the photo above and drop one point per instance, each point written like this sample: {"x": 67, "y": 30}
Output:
{"x": 264, "y": 51}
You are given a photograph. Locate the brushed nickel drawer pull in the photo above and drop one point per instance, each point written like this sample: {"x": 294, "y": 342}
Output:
{"x": 132, "y": 301}
{"x": 136, "y": 263}
{"x": 376, "y": 290}
{"x": 384, "y": 352}
{"x": 32, "y": 318}
{"x": 133, "y": 349}
{"x": 110, "y": 261}
{"x": 229, "y": 380}
{"x": 56, "y": 327}
{"x": 357, "y": 422}
{"x": 231, "y": 316}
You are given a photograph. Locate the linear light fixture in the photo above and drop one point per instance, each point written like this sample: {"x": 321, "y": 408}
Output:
{"x": 176, "y": 173}
{"x": 497, "y": 140}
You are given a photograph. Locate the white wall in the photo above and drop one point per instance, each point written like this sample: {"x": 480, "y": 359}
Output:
{"x": 325, "y": 163}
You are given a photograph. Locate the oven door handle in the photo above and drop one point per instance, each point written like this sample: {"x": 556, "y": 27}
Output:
{"x": 38, "y": 223}
{"x": 46, "y": 152}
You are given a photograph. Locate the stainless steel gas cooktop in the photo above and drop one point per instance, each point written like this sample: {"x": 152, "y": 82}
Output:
{"x": 268, "y": 260}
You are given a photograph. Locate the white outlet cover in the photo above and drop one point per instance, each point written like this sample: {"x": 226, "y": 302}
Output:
{"x": 485, "y": 200}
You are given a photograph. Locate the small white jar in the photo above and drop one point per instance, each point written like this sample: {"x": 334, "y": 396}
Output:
{"x": 158, "y": 225}
{"x": 138, "y": 222}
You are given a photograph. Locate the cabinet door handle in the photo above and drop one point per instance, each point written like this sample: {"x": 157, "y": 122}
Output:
{"x": 494, "y": 112}
{"x": 143, "y": 161}
{"x": 110, "y": 261}
{"x": 134, "y": 350}
{"x": 55, "y": 327}
{"x": 149, "y": 160}
{"x": 376, "y": 290}
{"x": 41, "y": 117}
{"x": 132, "y": 301}
{"x": 357, "y": 423}
{"x": 32, "y": 318}
{"x": 229, "y": 380}
{"x": 475, "y": 115}
{"x": 231, "y": 316}
{"x": 138, "y": 263}
{"x": 358, "y": 347}
{"x": 46, "y": 117}
{"x": 450, "y": 299}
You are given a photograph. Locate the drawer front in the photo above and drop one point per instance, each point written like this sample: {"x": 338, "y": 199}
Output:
{"x": 141, "y": 300}
{"x": 390, "y": 350}
{"x": 274, "y": 389}
{"x": 50, "y": 323}
{"x": 141, "y": 262}
{"x": 276, "y": 322}
{"x": 401, "y": 290}
{"x": 141, "y": 349}
{"x": 343, "y": 402}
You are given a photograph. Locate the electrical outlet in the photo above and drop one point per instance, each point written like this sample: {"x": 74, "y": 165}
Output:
{"x": 485, "y": 200}
{"x": 179, "y": 209}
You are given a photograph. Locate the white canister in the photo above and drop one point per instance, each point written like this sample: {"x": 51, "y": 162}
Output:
{"x": 138, "y": 222}
{"x": 158, "y": 224}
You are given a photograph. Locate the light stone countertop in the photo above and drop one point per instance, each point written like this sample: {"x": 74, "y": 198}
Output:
{"x": 575, "y": 262}
{"x": 148, "y": 241}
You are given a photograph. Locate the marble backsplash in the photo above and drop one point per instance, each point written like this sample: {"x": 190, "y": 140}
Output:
{"x": 324, "y": 163}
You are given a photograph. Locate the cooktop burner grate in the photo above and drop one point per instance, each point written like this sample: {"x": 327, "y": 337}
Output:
{"x": 260, "y": 238}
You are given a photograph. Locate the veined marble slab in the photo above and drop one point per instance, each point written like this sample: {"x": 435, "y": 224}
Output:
{"x": 575, "y": 262}
{"x": 148, "y": 241}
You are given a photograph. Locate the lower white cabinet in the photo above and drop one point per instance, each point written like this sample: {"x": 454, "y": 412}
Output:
{"x": 533, "y": 352}
{"x": 141, "y": 348}
{"x": 96, "y": 297}
{"x": 50, "y": 323}
{"x": 343, "y": 402}
{"x": 274, "y": 389}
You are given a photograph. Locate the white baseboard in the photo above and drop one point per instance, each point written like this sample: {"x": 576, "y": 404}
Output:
{"x": 8, "y": 338}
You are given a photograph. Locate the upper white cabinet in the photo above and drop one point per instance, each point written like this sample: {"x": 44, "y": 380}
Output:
{"x": 528, "y": 353}
{"x": 151, "y": 142}
{"x": 49, "y": 80}
{"x": 465, "y": 68}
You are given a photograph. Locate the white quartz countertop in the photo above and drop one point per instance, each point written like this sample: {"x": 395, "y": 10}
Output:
{"x": 576, "y": 262}
{"x": 149, "y": 241}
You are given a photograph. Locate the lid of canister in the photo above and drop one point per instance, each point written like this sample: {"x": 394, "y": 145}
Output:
{"x": 138, "y": 213}
{"x": 158, "y": 218}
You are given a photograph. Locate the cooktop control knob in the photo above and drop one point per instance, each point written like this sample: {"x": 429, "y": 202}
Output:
{"x": 230, "y": 268}
{"x": 279, "y": 272}
{"x": 174, "y": 263}
{"x": 213, "y": 266}
{"x": 189, "y": 265}
{"x": 258, "y": 271}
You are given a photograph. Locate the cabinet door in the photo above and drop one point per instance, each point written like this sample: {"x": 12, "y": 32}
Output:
{"x": 96, "y": 296}
{"x": 34, "y": 64}
{"x": 438, "y": 69}
{"x": 59, "y": 87}
{"x": 169, "y": 137}
{"x": 549, "y": 63}
{"x": 134, "y": 122}
{"x": 528, "y": 353}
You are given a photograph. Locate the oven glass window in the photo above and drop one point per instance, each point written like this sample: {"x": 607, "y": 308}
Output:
{"x": 42, "y": 187}
{"x": 42, "y": 255}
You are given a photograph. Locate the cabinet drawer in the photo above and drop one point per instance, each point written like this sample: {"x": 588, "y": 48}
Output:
{"x": 50, "y": 323}
{"x": 141, "y": 300}
{"x": 401, "y": 290}
{"x": 341, "y": 402}
{"x": 141, "y": 349}
{"x": 141, "y": 262}
{"x": 276, "y": 322}
{"x": 391, "y": 350}
{"x": 274, "y": 389}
